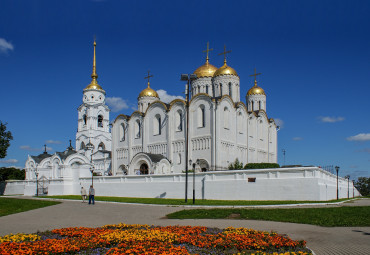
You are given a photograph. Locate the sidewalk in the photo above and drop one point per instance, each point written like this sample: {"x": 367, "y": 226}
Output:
{"x": 322, "y": 240}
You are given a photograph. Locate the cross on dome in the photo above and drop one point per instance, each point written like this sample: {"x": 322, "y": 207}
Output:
{"x": 255, "y": 76}
{"x": 224, "y": 53}
{"x": 207, "y": 51}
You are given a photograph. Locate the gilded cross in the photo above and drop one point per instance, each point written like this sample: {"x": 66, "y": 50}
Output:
{"x": 224, "y": 53}
{"x": 45, "y": 147}
{"x": 149, "y": 76}
{"x": 207, "y": 51}
{"x": 255, "y": 74}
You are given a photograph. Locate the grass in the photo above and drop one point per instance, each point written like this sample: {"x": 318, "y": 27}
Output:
{"x": 167, "y": 201}
{"x": 345, "y": 216}
{"x": 15, "y": 205}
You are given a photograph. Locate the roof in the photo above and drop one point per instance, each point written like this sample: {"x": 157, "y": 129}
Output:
{"x": 40, "y": 157}
{"x": 63, "y": 155}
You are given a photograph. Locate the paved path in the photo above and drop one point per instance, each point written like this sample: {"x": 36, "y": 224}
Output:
{"x": 322, "y": 240}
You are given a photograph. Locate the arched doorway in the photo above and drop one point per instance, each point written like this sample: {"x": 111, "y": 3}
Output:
{"x": 144, "y": 169}
{"x": 204, "y": 166}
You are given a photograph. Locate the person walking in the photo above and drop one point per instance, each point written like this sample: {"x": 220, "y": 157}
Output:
{"x": 83, "y": 194}
{"x": 91, "y": 195}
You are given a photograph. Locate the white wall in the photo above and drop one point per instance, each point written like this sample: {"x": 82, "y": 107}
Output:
{"x": 305, "y": 183}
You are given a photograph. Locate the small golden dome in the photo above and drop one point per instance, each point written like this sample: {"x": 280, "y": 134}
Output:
{"x": 225, "y": 70}
{"x": 206, "y": 70}
{"x": 148, "y": 92}
{"x": 94, "y": 85}
{"x": 255, "y": 90}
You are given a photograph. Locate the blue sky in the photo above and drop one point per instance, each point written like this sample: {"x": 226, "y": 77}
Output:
{"x": 314, "y": 57}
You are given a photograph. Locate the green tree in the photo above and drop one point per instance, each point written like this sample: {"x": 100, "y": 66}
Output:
{"x": 236, "y": 165}
{"x": 11, "y": 173}
{"x": 5, "y": 137}
{"x": 363, "y": 185}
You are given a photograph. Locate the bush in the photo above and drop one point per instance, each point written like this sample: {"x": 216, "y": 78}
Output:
{"x": 11, "y": 173}
{"x": 363, "y": 185}
{"x": 236, "y": 165}
{"x": 261, "y": 165}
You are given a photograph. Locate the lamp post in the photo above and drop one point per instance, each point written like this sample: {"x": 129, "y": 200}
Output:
{"x": 188, "y": 78}
{"x": 337, "y": 169}
{"x": 37, "y": 182}
{"x": 90, "y": 146}
{"x": 348, "y": 186}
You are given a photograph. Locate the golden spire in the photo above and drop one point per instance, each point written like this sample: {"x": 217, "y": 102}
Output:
{"x": 255, "y": 77}
{"x": 207, "y": 50}
{"x": 94, "y": 83}
{"x": 224, "y": 53}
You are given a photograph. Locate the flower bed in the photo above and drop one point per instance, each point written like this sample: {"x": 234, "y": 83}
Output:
{"x": 144, "y": 239}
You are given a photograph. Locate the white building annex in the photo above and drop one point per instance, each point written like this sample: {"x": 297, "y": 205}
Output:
{"x": 143, "y": 155}
{"x": 221, "y": 127}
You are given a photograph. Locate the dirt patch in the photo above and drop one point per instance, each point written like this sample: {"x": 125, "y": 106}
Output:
{"x": 234, "y": 216}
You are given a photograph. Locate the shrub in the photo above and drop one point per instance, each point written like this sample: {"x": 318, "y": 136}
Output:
{"x": 261, "y": 165}
{"x": 236, "y": 165}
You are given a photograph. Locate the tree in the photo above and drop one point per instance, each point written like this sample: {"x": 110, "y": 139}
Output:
{"x": 5, "y": 137}
{"x": 11, "y": 173}
{"x": 236, "y": 165}
{"x": 363, "y": 185}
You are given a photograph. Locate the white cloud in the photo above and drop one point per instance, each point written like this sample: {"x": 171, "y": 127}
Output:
{"x": 53, "y": 142}
{"x": 330, "y": 119}
{"x": 297, "y": 138}
{"x": 29, "y": 148}
{"x": 279, "y": 122}
{"x": 116, "y": 103}
{"x": 360, "y": 137}
{"x": 9, "y": 161}
{"x": 5, "y": 46}
{"x": 166, "y": 98}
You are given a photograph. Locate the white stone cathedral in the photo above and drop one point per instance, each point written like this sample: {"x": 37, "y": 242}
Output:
{"x": 152, "y": 140}
{"x": 221, "y": 127}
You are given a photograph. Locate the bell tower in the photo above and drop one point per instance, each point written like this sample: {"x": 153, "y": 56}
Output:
{"x": 93, "y": 117}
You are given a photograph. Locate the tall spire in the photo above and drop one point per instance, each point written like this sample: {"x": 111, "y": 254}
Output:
{"x": 94, "y": 83}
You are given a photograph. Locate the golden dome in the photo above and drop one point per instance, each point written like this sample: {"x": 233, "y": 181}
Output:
{"x": 206, "y": 70}
{"x": 225, "y": 70}
{"x": 255, "y": 90}
{"x": 94, "y": 85}
{"x": 148, "y": 92}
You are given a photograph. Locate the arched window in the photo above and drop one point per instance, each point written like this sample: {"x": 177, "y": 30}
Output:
{"x": 201, "y": 116}
{"x": 101, "y": 146}
{"x": 240, "y": 123}
{"x": 252, "y": 105}
{"x": 82, "y": 146}
{"x": 213, "y": 90}
{"x": 226, "y": 118}
{"x": 100, "y": 121}
{"x": 259, "y": 105}
{"x": 207, "y": 89}
{"x": 178, "y": 120}
{"x": 157, "y": 125}
{"x": 137, "y": 129}
{"x": 122, "y": 132}
{"x": 220, "y": 90}
{"x": 85, "y": 119}
{"x": 230, "y": 90}
{"x": 179, "y": 158}
{"x": 198, "y": 89}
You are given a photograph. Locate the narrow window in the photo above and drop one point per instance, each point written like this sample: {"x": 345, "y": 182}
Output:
{"x": 122, "y": 132}
{"x": 178, "y": 121}
{"x": 201, "y": 116}
{"x": 85, "y": 119}
{"x": 207, "y": 89}
{"x": 101, "y": 146}
{"x": 100, "y": 121}
{"x": 220, "y": 90}
{"x": 82, "y": 146}
{"x": 226, "y": 118}
{"x": 137, "y": 129}
{"x": 230, "y": 90}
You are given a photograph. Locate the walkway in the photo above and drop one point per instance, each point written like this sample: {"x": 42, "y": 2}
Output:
{"x": 322, "y": 240}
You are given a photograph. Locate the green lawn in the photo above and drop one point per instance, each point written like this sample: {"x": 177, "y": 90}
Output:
{"x": 329, "y": 217}
{"x": 15, "y": 205}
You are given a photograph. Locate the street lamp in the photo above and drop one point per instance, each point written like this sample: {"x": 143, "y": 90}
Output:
{"x": 90, "y": 146}
{"x": 197, "y": 163}
{"x": 284, "y": 151}
{"x": 337, "y": 169}
{"x": 348, "y": 186}
{"x": 188, "y": 78}
{"x": 37, "y": 182}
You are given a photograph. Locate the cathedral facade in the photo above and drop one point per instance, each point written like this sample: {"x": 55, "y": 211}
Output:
{"x": 221, "y": 127}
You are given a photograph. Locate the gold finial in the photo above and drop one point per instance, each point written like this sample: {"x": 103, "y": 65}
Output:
{"x": 207, "y": 50}
{"x": 255, "y": 77}
{"x": 148, "y": 77}
{"x": 224, "y": 53}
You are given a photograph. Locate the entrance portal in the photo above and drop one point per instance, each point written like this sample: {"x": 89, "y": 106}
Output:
{"x": 144, "y": 168}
